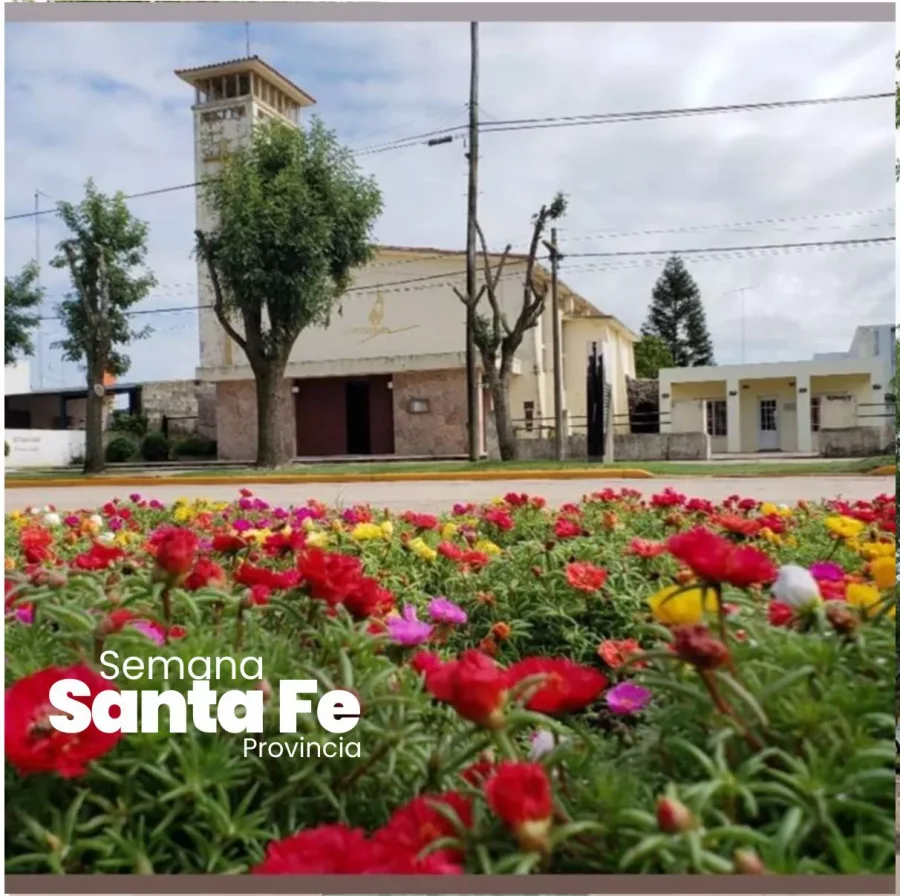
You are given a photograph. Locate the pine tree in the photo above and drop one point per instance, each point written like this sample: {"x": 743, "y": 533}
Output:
{"x": 677, "y": 317}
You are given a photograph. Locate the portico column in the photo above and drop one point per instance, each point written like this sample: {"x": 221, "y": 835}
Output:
{"x": 804, "y": 415}
{"x": 733, "y": 416}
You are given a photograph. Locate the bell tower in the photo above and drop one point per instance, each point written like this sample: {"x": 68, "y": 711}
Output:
{"x": 229, "y": 98}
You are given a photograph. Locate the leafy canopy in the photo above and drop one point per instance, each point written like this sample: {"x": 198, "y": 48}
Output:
{"x": 105, "y": 255}
{"x": 294, "y": 218}
{"x": 651, "y": 354}
{"x": 21, "y": 294}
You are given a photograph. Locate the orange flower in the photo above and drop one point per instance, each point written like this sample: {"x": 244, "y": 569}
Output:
{"x": 501, "y": 631}
{"x": 488, "y": 646}
{"x": 614, "y": 653}
{"x": 585, "y": 577}
{"x": 485, "y": 598}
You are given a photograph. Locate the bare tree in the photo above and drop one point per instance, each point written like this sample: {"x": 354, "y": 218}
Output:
{"x": 496, "y": 338}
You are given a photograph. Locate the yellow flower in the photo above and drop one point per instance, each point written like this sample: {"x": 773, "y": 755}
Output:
{"x": 768, "y": 535}
{"x": 387, "y": 528}
{"x": 16, "y": 514}
{"x": 884, "y": 572}
{"x": 10, "y": 563}
{"x": 366, "y": 532}
{"x": 337, "y": 526}
{"x": 308, "y": 524}
{"x": 179, "y": 502}
{"x": 318, "y": 539}
{"x": 767, "y": 508}
{"x": 875, "y": 549}
{"x": 182, "y": 514}
{"x": 422, "y": 550}
{"x": 670, "y": 607}
{"x": 497, "y": 501}
{"x": 844, "y": 526}
{"x": 488, "y": 547}
{"x": 867, "y": 597}
{"x": 448, "y": 531}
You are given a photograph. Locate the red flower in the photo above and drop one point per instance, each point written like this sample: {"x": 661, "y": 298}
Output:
{"x": 569, "y": 686}
{"x": 565, "y": 528}
{"x": 519, "y": 794}
{"x": 35, "y": 543}
{"x": 228, "y": 544}
{"x": 474, "y": 685}
{"x": 424, "y": 662}
{"x": 473, "y": 560}
{"x": 516, "y": 500}
{"x": 667, "y": 498}
{"x": 33, "y": 745}
{"x": 449, "y": 550}
{"x": 478, "y": 772}
{"x": 249, "y": 576}
{"x": 414, "y": 827}
{"x": 780, "y": 614}
{"x": 499, "y": 518}
{"x": 100, "y": 556}
{"x": 367, "y": 598}
{"x": 715, "y": 559}
{"x": 205, "y": 574}
{"x": 585, "y": 577}
{"x": 614, "y": 653}
{"x": 421, "y": 520}
{"x": 176, "y": 551}
{"x": 738, "y": 525}
{"x": 328, "y": 576}
{"x": 640, "y": 547}
{"x": 279, "y": 544}
{"x": 697, "y": 646}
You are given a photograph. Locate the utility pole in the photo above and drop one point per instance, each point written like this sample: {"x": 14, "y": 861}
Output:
{"x": 559, "y": 435}
{"x": 37, "y": 261}
{"x": 471, "y": 260}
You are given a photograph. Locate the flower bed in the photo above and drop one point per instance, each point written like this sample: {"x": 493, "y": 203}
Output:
{"x": 646, "y": 685}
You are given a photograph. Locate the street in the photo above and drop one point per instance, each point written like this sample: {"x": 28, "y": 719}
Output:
{"x": 442, "y": 495}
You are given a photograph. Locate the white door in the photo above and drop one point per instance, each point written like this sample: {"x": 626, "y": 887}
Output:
{"x": 769, "y": 438}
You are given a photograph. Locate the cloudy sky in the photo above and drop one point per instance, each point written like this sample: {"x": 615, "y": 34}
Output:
{"x": 101, "y": 100}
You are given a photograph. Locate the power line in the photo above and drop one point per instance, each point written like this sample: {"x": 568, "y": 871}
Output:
{"x": 853, "y": 242}
{"x": 518, "y": 124}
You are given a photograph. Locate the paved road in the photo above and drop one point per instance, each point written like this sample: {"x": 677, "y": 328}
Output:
{"x": 437, "y": 496}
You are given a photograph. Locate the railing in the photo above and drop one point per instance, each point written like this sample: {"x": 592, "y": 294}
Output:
{"x": 640, "y": 422}
{"x": 545, "y": 427}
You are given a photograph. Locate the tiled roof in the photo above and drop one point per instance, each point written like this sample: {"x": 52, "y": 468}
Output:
{"x": 181, "y": 72}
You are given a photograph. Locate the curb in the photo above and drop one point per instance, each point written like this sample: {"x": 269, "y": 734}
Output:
{"x": 349, "y": 478}
{"x": 889, "y": 470}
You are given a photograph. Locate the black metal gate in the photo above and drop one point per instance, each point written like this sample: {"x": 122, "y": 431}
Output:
{"x": 599, "y": 398}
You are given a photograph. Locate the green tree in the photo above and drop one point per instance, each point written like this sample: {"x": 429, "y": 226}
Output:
{"x": 498, "y": 340}
{"x": 293, "y": 216}
{"x": 21, "y": 295}
{"x": 677, "y": 317}
{"x": 651, "y": 355}
{"x": 104, "y": 255}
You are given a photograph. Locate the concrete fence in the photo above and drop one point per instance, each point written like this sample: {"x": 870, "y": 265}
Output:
{"x": 43, "y": 447}
{"x": 662, "y": 446}
{"x": 857, "y": 441}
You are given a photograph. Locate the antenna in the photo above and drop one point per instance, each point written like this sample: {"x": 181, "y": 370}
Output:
{"x": 247, "y": 34}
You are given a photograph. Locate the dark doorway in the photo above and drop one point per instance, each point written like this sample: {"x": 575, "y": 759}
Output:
{"x": 359, "y": 439}
{"x": 645, "y": 418}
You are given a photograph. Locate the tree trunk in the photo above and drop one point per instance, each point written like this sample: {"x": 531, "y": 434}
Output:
{"x": 94, "y": 457}
{"x": 273, "y": 417}
{"x": 498, "y": 385}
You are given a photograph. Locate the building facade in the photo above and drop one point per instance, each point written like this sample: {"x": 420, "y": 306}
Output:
{"x": 785, "y": 407}
{"x": 387, "y": 376}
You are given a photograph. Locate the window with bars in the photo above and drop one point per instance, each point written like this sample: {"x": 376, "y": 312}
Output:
{"x": 815, "y": 412}
{"x": 717, "y": 418}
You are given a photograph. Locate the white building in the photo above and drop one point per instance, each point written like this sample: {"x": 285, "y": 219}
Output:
{"x": 786, "y": 406}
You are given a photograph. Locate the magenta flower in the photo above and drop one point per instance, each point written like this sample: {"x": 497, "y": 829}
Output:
{"x": 135, "y": 498}
{"x": 627, "y": 698}
{"x": 443, "y": 610}
{"x": 241, "y": 525}
{"x": 25, "y": 614}
{"x": 408, "y": 630}
{"x": 73, "y": 522}
{"x": 826, "y": 572}
{"x": 153, "y": 632}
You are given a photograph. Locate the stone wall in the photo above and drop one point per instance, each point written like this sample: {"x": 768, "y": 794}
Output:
{"x": 857, "y": 441}
{"x": 189, "y": 406}
{"x": 662, "y": 446}
{"x": 439, "y": 430}
{"x": 545, "y": 449}
{"x": 236, "y": 420}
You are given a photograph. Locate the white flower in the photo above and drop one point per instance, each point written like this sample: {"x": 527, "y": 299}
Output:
{"x": 106, "y": 538}
{"x": 96, "y": 520}
{"x": 542, "y": 742}
{"x": 52, "y": 519}
{"x": 796, "y": 587}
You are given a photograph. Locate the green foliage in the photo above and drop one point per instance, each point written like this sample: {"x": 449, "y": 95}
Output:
{"x": 21, "y": 297}
{"x": 677, "y": 318}
{"x": 195, "y": 446}
{"x": 121, "y": 449}
{"x": 155, "y": 447}
{"x": 295, "y": 217}
{"x": 122, "y": 421}
{"x": 104, "y": 255}
{"x": 6, "y": 449}
{"x": 651, "y": 355}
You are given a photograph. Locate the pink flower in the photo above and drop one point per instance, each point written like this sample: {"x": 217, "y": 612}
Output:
{"x": 627, "y": 698}
{"x": 25, "y": 614}
{"x": 443, "y": 610}
{"x": 407, "y": 630}
{"x": 827, "y": 572}
{"x": 151, "y": 630}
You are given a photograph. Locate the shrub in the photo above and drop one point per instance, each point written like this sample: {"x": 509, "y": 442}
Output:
{"x": 155, "y": 447}
{"x": 120, "y": 450}
{"x": 6, "y": 449}
{"x": 195, "y": 446}
{"x": 136, "y": 424}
